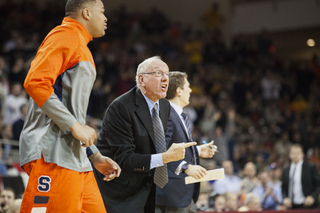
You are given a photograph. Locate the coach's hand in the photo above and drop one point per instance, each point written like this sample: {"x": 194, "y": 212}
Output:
{"x": 196, "y": 171}
{"x": 106, "y": 166}
{"x": 176, "y": 152}
{"x": 208, "y": 150}
{"x": 83, "y": 133}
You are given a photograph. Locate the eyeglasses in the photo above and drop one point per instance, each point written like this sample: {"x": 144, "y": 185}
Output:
{"x": 157, "y": 73}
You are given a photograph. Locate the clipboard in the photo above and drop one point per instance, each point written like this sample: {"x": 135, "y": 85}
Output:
{"x": 214, "y": 174}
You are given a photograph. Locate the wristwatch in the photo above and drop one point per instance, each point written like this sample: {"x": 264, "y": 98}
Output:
{"x": 184, "y": 167}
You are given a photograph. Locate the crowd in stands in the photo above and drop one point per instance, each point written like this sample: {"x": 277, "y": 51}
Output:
{"x": 253, "y": 104}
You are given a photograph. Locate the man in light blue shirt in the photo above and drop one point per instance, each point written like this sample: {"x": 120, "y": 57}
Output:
{"x": 270, "y": 195}
{"x": 230, "y": 183}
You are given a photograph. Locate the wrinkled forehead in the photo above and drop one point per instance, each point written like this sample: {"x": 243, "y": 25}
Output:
{"x": 158, "y": 65}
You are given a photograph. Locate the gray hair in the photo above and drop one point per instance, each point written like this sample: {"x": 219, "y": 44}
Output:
{"x": 143, "y": 66}
{"x": 250, "y": 197}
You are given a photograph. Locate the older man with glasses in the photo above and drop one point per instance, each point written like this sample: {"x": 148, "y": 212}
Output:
{"x": 133, "y": 134}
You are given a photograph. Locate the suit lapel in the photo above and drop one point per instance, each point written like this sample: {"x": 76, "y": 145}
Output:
{"x": 144, "y": 113}
{"x": 193, "y": 149}
{"x": 303, "y": 173}
{"x": 177, "y": 117}
{"x": 163, "y": 115}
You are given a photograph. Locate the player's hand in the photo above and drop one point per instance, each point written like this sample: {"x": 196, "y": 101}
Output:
{"x": 83, "y": 133}
{"x": 176, "y": 152}
{"x": 208, "y": 150}
{"x": 106, "y": 166}
{"x": 196, "y": 171}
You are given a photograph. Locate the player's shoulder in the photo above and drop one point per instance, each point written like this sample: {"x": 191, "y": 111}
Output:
{"x": 64, "y": 33}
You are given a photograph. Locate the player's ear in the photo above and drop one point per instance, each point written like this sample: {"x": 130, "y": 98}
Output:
{"x": 86, "y": 14}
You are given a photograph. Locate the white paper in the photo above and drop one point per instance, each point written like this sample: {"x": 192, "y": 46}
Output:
{"x": 214, "y": 174}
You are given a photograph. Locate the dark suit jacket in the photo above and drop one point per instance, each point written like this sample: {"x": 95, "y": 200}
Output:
{"x": 310, "y": 181}
{"x": 127, "y": 137}
{"x": 176, "y": 193}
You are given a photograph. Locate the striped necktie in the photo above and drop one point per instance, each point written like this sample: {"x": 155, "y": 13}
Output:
{"x": 187, "y": 123}
{"x": 291, "y": 181}
{"x": 160, "y": 175}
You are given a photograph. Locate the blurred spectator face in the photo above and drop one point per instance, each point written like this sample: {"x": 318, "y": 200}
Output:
{"x": 24, "y": 110}
{"x": 264, "y": 178}
{"x": 274, "y": 172}
{"x": 254, "y": 205}
{"x": 16, "y": 89}
{"x": 203, "y": 201}
{"x": 218, "y": 132}
{"x": 250, "y": 170}
{"x": 228, "y": 167}
{"x": 232, "y": 201}
{"x": 7, "y": 132}
{"x": 297, "y": 137}
{"x": 18, "y": 65}
{"x": 7, "y": 198}
{"x": 220, "y": 204}
{"x": 296, "y": 154}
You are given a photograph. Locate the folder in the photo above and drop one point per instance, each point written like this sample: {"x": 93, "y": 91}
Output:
{"x": 214, "y": 174}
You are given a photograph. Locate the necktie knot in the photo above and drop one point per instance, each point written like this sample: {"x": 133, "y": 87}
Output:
{"x": 184, "y": 116}
{"x": 156, "y": 108}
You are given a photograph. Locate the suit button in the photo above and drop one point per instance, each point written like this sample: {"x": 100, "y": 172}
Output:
{"x": 148, "y": 184}
{"x": 192, "y": 160}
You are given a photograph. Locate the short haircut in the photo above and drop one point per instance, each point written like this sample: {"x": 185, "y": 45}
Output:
{"x": 73, "y": 6}
{"x": 10, "y": 190}
{"x": 296, "y": 145}
{"x": 143, "y": 66}
{"x": 176, "y": 79}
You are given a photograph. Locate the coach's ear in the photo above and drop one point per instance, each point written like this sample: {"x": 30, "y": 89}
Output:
{"x": 179, "y": 91}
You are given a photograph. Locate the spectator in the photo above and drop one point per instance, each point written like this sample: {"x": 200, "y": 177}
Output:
{"x": 300, "y": 181}
{"x": 221, "y": 138}
{"x": 6, "y": 138}
{"x": 250, "y": 181}
{"x": 251, "y": 203}
{"x": 231, "y": 201}
{"x": 18, "y": 124}
{"x": 13, "y": 103}
{"x": 219, "y": 203}
{"x": 275, "y": 174}
{"x": 270, "y": 195}
{"x": 7, "y": 197}
{"x": 3, "y": 166}
{"x": 231, "y": 182}
{"x": 212, "y": 17}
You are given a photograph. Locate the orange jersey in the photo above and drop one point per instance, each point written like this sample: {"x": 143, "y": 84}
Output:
{"x": 59, "y": 83}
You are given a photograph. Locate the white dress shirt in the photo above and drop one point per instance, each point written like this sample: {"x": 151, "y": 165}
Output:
{"x": 156, "y": 159}
{"x": 179, "y": 111}
{"x": 298, "y": 196}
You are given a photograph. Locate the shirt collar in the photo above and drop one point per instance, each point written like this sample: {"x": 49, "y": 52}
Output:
{"x": 177, "y": 108}
{"x": 82, "y": 29}
{"x": 150, "y": 103}
{"x": 297, "y": 164}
